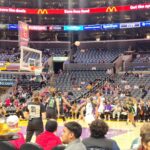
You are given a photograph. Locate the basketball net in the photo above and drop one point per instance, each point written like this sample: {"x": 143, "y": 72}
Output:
{"x": 35, "y": 69}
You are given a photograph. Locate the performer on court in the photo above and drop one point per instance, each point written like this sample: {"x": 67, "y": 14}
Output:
{"x": 61, "y": 102}
{"x": 89, "y": 115}
{"x": 52, "y": 108}
{"x": 101, "y": 106}
{"x": 98, "y": 100}
{"x": 131, "y": 112}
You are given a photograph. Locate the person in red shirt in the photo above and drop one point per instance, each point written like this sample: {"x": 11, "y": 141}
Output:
{"x": 7, "y": 102}
{"x": 48, "y": 140}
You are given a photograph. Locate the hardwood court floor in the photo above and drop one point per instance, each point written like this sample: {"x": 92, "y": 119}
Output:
{"x": 122, "y": 133}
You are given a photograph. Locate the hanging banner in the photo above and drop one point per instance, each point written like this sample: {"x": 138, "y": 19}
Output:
{"x": 23, "y": 33}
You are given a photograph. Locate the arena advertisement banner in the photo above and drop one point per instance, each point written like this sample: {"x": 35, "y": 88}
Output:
{"x": 130, "y": 25}
{"x": 55, "y": 28}
{"x": 23, "y": 33}
{"x": 7, "y": 82}
{"x": 42, "y": 11}
{"x": 145, "y": 24}
{"x": 73, "y": 28}
{"x": 110, "y": 26}
{"x": 93, "y": 27}
{"x": 38, "y": 28}
{"x": 4, "y": 65}
{"x": 81, "y": 27}
{"x": 3, "y": 26}
{"x": 60, "y": 59}
{"x": 12, "y": 26}
{"x": 109, "y": 9}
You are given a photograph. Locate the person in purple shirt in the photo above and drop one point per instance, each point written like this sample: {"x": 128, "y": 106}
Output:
{"x": 107, "y": 110}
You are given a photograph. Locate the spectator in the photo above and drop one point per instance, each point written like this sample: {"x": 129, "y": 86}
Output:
{"x": 3, "y": 129}
{"x": 48, "y": 140}
{"x": 107, "y": 110}
{"x": 145, "y": 142}
{"x": 10, "y": 110}
{"x": 10, "y": 132}
{"x": 99, "y": 129}
{"x": 143, "y": 139}
{"x": 71, "y": 134}
{"x": 2, "y": 111}
{"x": 117, "y": 111}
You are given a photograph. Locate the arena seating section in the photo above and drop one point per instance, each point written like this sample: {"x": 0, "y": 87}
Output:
{"x": 76, "y": 81}
{"x": 101, "y": 55}
{"x": 14, "y": 54}
{"x": 10, "y": 55}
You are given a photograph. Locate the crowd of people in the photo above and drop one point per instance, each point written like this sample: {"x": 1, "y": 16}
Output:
{"x": 50, "y": 104}
{"x": 95, "y": 105}
{"x": 70, "y": 138}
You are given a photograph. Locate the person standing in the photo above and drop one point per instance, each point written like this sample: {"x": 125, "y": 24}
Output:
{"x": 36, "y": 111}
{"x": 131, "y": 112}
{"x": 62, "y": 101}
{"x": 52, "y": 109}
{"x": 89, "y": 115}
{"x": 101, "y": 106}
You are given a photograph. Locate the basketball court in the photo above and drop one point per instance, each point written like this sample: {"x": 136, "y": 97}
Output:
{"x": 122, "y": 133}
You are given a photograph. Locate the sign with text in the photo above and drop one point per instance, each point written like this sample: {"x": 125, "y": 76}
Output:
{"x": 145, "y": 23}
{"x": 109, "y": 9}
{"x": 93, "y": 27}
{"x": 110, "y": 26}
{"x": 37, "y": 28}
{"x": 130, "y": 25}
{"x": 73, "y": 28}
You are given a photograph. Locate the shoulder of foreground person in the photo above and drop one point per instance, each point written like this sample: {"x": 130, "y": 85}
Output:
{"x": 79, "y": 146}
{"x": 109, "y": 143}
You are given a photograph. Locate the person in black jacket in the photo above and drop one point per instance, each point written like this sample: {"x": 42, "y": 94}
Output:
{"x": 97, "y": 140}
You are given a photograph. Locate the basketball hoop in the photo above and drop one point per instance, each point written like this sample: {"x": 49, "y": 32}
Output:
{"x": 37, "y": 70}
{"x": 30, "y": 58}
{"x": 32, "y": 68}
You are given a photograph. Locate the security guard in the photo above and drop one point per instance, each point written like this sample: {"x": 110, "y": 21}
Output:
{"x": 36, "y": 111}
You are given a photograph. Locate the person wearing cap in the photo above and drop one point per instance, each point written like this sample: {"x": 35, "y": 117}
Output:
{"x": 36, "y": 111}
{"x": 71, "y": 136}
{"x": 10, "y": 132}
{"x": 48, "y": 140}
